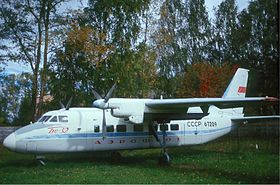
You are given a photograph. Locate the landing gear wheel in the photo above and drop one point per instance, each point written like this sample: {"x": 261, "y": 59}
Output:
{"x": 40, "y": 159}
{"x": 165, "y": 159}
{"x": 41, "y": 162}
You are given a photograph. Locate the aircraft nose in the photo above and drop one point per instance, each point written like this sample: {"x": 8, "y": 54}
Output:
{"x": 10, "y": 142}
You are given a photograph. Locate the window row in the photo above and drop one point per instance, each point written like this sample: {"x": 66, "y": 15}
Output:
{"x": 136, "y": 128}
{"x": 63, "y": 119}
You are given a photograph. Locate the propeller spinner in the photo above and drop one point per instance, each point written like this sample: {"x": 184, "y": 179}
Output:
{"x": 103, "y": 104}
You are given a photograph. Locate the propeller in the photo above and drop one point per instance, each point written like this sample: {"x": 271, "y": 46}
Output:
{"x": 103, "y": 104}
{"x": 67, "y": 105}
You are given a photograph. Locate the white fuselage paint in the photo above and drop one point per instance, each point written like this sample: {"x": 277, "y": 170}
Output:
{"x": 79, "y": 134}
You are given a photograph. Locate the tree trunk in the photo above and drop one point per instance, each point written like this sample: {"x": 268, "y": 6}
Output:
{"x": 43, "y": 74}
{"x": 36, "y": 70}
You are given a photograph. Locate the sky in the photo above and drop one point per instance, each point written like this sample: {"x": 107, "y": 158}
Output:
{"x": 210, "y": 4}
{"x": 15, "y": 68}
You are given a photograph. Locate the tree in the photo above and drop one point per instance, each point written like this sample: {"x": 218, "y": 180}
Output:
{"x": 206, "y": 80}
{"x": 225, "y": 31}
{"x": 170, "y": 59}
{"x": 259, "y": 42}
{"x": 14, "y": 88}
{"x": 75, "y": 68}
{"x": 120, "y": 21}
{"x": 26, "y": 25}
{"x": 199, "y": 31}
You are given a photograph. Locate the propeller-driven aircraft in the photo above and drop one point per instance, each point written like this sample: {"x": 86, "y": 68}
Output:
{"x": 114, "y": 124}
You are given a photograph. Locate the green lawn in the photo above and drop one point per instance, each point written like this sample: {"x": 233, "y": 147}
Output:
{"x": 226, "y": 160}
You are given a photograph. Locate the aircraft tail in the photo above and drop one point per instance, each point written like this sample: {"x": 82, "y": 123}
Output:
{"x": 238, "y": 85}
{"x": 237, "y": 88}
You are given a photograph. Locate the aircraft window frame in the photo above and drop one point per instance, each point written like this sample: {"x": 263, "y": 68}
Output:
{"x": 61, "y": 119}
{"x": 139, "y": 129}
{"x": 96, "y": 128}
{"x": 161, "y": 127}
{"x": 121, "y": 128}
{"x": 53, "y": 119}
{"x": 44, "y": 118}
{"x": 174, "y": 127}
{"x": 110, "y": 128}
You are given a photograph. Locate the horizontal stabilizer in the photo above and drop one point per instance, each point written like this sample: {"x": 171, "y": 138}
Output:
{"x": 257, "y": 119}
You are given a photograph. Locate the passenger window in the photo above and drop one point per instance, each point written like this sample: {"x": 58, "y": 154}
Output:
{"x": 165, "y": 127}
{"x": 138, "y": 128}
{"x": 96, "y": 128}
{"x": 110, "y": 128}
{"x": 54, "y": 119}
{"x": 174, "y": 127}
{"x": 63, "y": 119}
{"x": 121, "y": 128}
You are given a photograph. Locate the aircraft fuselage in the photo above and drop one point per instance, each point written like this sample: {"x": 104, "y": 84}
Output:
{"x": 79, "y": 129}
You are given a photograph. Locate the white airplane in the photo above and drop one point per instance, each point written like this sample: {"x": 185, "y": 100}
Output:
{"x": 118, "y": 124}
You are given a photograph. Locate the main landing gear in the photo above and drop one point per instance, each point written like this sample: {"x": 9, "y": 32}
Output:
{"x": 40, "y": 159}
{"x": 164, "y": 158}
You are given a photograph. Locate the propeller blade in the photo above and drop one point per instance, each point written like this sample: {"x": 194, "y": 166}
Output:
{"x": 109, "y": 94}
{"x": 97, "y": 96}
{"x": 68, "y": 104}
{"x": 61, "y": 105}
{"x": 104, "y": 125}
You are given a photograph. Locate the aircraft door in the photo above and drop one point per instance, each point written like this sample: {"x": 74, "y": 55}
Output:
{"x": 184, "y": 133}
{"x": 192, "y": 132}
{"x": 93, "y": 130}
{"x": 198, "y": 131}
{"x": 78, "y": 128}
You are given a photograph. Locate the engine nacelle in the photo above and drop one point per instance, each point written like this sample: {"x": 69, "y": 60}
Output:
{"x": 120, "y": 113}
{"x": 125, "y": 108}
{"x": 134, "y": 117}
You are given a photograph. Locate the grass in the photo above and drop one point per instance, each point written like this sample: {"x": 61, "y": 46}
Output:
{"x": 226, "y": 160}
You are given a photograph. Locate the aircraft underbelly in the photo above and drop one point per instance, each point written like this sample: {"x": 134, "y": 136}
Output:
{"x": 214, "y": 135}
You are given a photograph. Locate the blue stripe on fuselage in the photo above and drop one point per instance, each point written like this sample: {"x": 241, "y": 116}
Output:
{"x": 124, "y": 134}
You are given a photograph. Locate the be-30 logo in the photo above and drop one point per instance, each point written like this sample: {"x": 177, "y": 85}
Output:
{"x": 58, "y": 130}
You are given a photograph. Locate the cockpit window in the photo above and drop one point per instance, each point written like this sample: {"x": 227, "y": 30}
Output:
{"x": 63, "y": 119}
{"x": 54, "y": 119}
{"x": 44, "y": 119}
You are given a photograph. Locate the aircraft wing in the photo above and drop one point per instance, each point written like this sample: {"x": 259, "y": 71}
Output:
{"x": 184, "y": 104}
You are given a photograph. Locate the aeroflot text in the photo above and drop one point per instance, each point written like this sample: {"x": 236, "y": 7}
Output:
{"x": 145, "y": 140}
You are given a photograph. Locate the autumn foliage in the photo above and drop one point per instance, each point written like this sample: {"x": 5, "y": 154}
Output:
{"x": 86, "y": 40}
{"x": 206, "y": 80}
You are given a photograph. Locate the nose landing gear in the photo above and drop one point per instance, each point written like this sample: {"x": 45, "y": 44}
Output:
{"x": 40, "y": 159}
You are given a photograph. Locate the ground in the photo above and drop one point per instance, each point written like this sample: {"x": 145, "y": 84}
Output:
{"x": 227, "y": 160}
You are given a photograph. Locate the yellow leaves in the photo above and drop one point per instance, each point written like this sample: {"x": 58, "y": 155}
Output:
{"x": 88, "y": 41}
